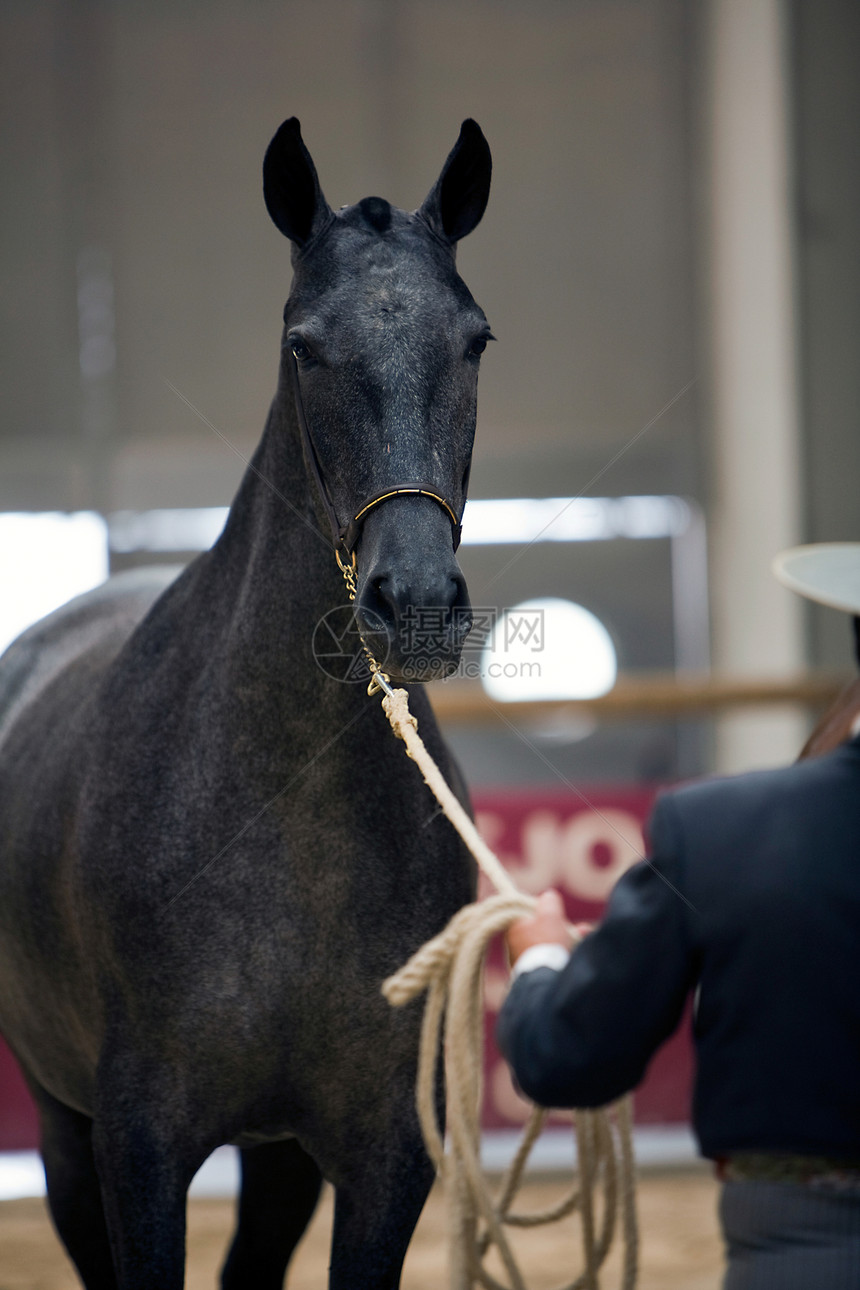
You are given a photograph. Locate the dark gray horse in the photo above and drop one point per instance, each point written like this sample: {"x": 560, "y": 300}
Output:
{"x": 211, "y": 853}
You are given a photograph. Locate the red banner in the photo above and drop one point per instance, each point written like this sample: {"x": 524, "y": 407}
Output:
{"x": 581, "y": 845}
{"x": 19, "y": 1128}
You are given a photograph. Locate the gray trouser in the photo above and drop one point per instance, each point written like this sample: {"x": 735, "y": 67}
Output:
{"x": 790, "y": 1236}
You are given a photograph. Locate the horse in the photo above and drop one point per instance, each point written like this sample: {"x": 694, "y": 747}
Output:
{"x": 212, "y": 852}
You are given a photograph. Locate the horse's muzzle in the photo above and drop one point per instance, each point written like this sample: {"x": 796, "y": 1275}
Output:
{"x": 415, "y": 633}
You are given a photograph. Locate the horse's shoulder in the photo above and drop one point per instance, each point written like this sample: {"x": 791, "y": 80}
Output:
{"x": 92, "y": 626}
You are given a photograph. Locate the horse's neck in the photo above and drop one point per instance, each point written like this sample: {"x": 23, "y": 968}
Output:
{"x": 274, "y": 561}
{"x": 273, "y": 527}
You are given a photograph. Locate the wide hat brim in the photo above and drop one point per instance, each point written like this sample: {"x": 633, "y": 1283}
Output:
{"x": 827, "y": 572}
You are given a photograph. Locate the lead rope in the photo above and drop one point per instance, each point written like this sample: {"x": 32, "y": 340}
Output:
{"x": 450, "y": 969}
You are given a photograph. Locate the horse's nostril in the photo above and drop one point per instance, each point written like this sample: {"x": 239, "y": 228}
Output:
{"x": 459, "y": 596}
{"x": 394, "y": 597}
{"x": 418, "y": 619}
{"x": 377, "y": 598}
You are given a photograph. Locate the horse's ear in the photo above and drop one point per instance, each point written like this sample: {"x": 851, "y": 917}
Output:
{"x": 458, "y": 199}
{"x": 291, "y": 188}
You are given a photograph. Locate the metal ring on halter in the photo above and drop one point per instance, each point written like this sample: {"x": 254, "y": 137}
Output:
{"x": 345, "y": 568}
{"x": 380, "y": 680}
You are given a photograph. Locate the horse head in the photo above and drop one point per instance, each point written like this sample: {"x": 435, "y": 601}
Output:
{"x": 381, "y": 348}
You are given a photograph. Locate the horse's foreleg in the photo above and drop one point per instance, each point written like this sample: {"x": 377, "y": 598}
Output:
{"x": 376, "y": 1209}
{"x": 74, "y": 1193}
{"x": 280, "y": 1188}
{"x": 147, "y": 1150}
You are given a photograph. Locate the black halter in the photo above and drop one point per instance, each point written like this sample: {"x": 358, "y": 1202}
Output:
{"x": 346, "y": 535}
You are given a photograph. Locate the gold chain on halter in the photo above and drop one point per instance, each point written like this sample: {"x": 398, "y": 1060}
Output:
{"x": 379, "y": 680}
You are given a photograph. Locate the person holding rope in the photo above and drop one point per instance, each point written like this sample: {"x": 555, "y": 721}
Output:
{"x": 750, "y": 900}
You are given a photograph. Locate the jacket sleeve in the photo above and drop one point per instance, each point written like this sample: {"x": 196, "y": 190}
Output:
{"x": 584, "y": 1036}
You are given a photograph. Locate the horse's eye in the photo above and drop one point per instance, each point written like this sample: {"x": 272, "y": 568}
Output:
{"x": 478, "y": 345}
{"x": 300, "y": 350}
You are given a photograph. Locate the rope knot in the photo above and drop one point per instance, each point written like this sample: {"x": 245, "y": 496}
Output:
{"x": 396, "y": 708}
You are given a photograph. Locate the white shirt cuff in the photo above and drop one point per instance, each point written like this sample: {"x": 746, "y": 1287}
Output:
{"x": 549, "y": 955}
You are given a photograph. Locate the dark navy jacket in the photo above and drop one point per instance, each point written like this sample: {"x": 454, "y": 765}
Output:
{"x": 752, "y": 895}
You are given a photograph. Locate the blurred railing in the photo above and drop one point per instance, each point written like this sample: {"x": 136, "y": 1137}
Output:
{"x": 642, "y": 695}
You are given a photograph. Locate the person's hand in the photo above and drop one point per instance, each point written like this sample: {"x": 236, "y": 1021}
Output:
{"x": 547, "y": 925}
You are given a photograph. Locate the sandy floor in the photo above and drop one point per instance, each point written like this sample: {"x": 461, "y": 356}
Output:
{"x": 680, "y": 1243}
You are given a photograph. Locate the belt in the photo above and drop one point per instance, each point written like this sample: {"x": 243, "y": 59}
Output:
{"x": 781, "y": 1167}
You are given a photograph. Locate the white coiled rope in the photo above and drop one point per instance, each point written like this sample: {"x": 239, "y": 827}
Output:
{"x": 450, "y": 969}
